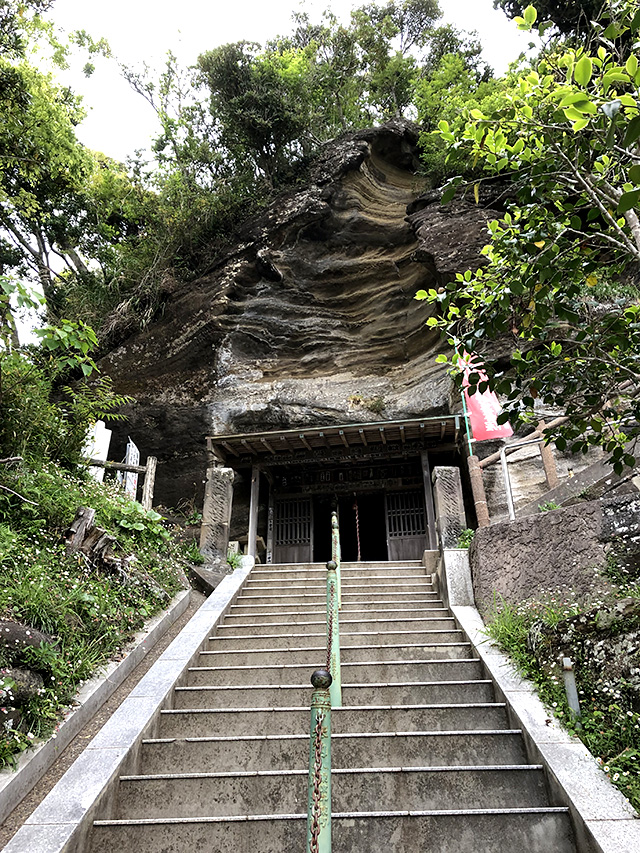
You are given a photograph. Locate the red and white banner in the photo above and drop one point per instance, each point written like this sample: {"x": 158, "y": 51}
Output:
{"x": 483, "y": 408}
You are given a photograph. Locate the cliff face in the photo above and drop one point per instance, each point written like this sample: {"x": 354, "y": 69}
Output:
{"x": 309, "y": 318}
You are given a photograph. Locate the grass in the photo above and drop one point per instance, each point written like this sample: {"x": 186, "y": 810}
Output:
{"x": 536, "y": 633}
{"x": 91, "y": 614}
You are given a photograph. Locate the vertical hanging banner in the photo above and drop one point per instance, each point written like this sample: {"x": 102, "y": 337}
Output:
{"x": 483, "y": 408}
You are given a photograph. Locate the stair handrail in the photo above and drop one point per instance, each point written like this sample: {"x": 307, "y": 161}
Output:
{"x": 327, "y": 693}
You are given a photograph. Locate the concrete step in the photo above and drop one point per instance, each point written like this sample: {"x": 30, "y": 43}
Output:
{"x": 277, "y": 614}
{"x": 315, "y": 654}
{"x": 365, "y": 749}
{"x": 364, "y": 595}
{"x": 318, "y": 603}
{"x": 256, "y": 638}
{"x": 270, "y": 791}
{"x": 288, "y": 695}
{"x": 286, "y": 575}
{"x": 494, "y": 831}
{"x": 208, "y": 671}
{"x": 348, "y": 625}
{"x": 194, "y": 717}
{"x": 318, "y": 587}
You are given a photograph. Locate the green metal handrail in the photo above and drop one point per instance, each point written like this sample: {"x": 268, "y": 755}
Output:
{"x": 327, "y": 693}
{"x": 319, "y": 800}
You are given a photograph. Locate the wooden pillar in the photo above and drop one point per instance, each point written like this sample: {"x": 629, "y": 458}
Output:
{"x": 548, "y": 461}
{"x": 479, "y": 494}
{"x": 432, "y": 536}
{"x": 253, "y": 511}
{"x": 270, "y": 525}
{"x": 149, "y": 482}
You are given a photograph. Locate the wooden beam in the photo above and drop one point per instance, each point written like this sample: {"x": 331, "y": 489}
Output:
{"x": 249, "y": 447}
{"x": 344, "y": 438}
{"x": 402, "y": 435}
{"x": 231, "y": 449}
{"x": 363, "y": 437}
{"x": 303, "y": 439}
{"x": 267, "y": 445}
{"x": 118, "y": 466}
{"x": 285, "y": 444}
{"x": 323, "y": 438}
{"x": 432, "y": 535}
{"x": 253, "y": 511}
{"x": 443, "y": 427}
{"x": 382, "y": 435}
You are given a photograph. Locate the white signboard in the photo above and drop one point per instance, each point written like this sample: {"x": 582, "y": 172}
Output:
{"x": 97, "y": 447}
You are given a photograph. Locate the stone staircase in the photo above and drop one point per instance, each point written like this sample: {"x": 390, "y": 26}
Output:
{"x": 423, "y": 756}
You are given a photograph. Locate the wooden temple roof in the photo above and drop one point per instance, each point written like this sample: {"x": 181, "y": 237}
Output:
{"x": 284, "y": 445}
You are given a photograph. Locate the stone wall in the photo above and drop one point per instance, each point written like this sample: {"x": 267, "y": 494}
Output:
{"x": 525, "y": 558}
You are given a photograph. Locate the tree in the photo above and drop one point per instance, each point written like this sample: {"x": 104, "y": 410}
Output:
{"x": 569, "y": 16}
{"x": 566, "y": 135}
{"x": 389, "y": 37}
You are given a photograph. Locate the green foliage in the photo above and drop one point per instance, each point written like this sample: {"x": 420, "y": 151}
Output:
{"x": 568, "y": 16}
{"x": 91, "y": 614}
{"x": 610, "y": 724}
{"x": 564, "y": 136}
{"x": 234, "y": 559}
{"x": 32, "y": 425}
{"x": 466, "y": 538}
{"x": 548, "y": 506}
{"x": 143, "y": 523}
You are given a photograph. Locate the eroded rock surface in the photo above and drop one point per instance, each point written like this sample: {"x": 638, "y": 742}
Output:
{"x": 308, "y": 314}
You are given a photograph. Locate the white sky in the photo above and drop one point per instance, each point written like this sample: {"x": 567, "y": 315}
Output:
{"x": 119, "y": 121}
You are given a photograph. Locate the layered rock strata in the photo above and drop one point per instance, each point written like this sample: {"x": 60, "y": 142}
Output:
{"x": 309, "y": 318}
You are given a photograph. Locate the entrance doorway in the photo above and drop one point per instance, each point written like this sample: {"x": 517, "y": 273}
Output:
{"x": 368, "y": 523}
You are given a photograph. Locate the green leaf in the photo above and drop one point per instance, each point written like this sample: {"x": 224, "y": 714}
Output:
{"x": 631, "y": 65}
{"x": 448, "y": 194}
{"x": 441, "y": 359}
{"x": 633, "y": 132}
{"x": 583, "y": 71}
{"x": 634, "y": 174}
{"x": 628, "y": 200}
{"x": 420, "y": 295}
{"x": 530, "y": 15}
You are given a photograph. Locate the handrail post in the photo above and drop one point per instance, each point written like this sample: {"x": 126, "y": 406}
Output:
{"x": 319, "y": 801}
{"x": 333, "y": 635}
{"x": 336, "y": 553}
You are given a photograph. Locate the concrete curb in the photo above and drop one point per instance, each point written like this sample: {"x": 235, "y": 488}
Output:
{"x": 62, "y": 821}
{"x": 604, "y": 820}
{"x": 33, "y": 764}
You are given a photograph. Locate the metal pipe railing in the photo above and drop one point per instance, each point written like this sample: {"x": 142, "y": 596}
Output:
{"x": 333, "y": 635}
{"x": 319, "y": 799}
{"x": 327, "y": 693}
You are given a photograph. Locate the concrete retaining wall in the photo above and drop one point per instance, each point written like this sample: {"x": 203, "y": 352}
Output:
{"x": 521, "y": 559}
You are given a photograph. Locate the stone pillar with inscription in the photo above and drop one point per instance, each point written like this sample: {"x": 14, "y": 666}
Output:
{"x": 216, "y": 514}
{"x": 449, "y": 504}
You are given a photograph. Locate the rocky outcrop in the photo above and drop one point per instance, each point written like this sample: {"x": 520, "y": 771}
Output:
{"x": 308, "y": 314}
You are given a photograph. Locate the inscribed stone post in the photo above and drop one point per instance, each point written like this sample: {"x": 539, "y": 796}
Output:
{"x": 447, "y": 495}
{"x": 216, "y": 514}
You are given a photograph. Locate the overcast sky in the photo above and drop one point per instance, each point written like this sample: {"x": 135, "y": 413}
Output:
{"x": 119, "y": 121}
